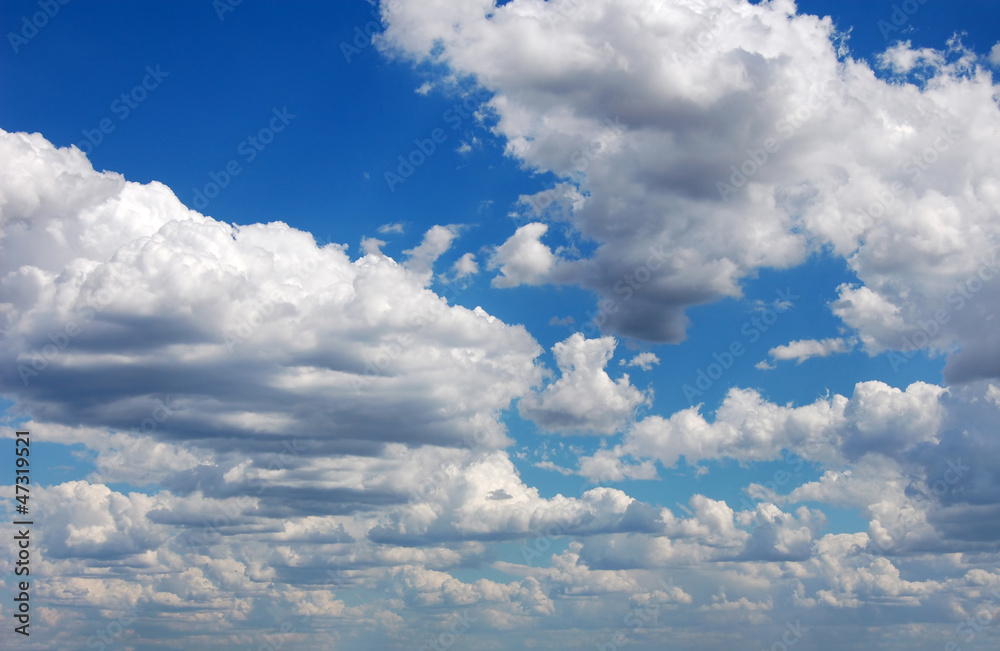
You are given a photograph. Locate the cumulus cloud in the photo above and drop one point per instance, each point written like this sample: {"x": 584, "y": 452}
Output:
{"x": 308, "y": 420}
{"x": 466, "y": 266}
{"x": 584, "y": 399}
{"x": 122, "y": 276}
{"x": 523, "y": 259}
{"x": 707, "y": 140}
{"x": 877, "y": 419}
{"x": 306, "y": 424}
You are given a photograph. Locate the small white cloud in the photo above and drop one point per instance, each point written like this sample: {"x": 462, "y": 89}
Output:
{"x": 902, "y": 58}
{"x": 465, "y": 266}
{"x": 436, "y": 241}
{"x": 645, "y": 361}
{"x": 548, "y": 465}
{"x": 372, "y": 246}
{"x": 424, "y": 88}
{"x": 566, "y": 321}
{"x": 804, "y": 349}
{"x": 584, "y": 399}
{"x": 523, "y": 259}
{"x": 466, "y": 147}
{"x": 395, "y": 227}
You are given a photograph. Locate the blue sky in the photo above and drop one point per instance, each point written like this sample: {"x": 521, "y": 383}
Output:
{"x": 275, "y": 202}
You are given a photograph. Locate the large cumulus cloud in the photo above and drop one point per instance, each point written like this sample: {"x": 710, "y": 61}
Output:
{"x": 723, "y": 137}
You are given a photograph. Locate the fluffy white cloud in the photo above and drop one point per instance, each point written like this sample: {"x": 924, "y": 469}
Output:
{"x": 523, "y": 259}
{"x": 465, "y": 266}
{"x": 584, "y": 398}
{"x": 100, "y": 276}
{"x": 645, "y": 361}
{"x": 804, "y": 349}
{"x": 877, "y": 419}
{"x": 420, "y": 260}
{"x": 309, "y": 424}
{"x": 292, "y": 412}
{"x": 701, "y": 141}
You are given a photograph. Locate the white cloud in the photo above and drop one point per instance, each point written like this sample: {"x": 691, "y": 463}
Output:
{"x": 804, "y": 349}
{"x": 640, "y": 109}
{"x": 436, "y": 241}
{"x": 465, "y": 266}
{"x": 523, "y": 259}
{"x": 395, "y": 227}
{"x": 901, "y": 58}
{"x": 876, "y": 419}
{"x": 124, "y": 276}
{"x": 645, "y": 361}
{"x": 372, "y": 246}
{"x": 330, "y": 413}
{"x": 607, "y": 466}
{"x": 584, "y": 399}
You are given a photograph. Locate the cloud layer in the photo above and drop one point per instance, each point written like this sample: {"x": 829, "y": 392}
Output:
{"x": 317, "y": 443}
